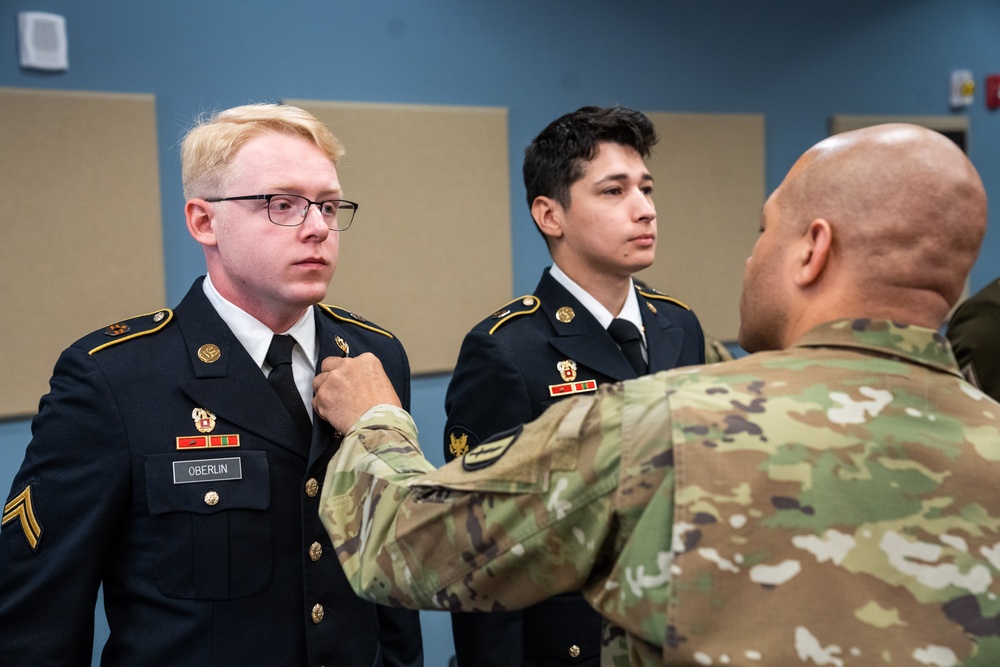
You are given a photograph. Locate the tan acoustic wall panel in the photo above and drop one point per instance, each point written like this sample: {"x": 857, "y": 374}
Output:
{"x": 80, "y": 235}
{"x": 709, "y": 187}
{"x": 429, "y": 250}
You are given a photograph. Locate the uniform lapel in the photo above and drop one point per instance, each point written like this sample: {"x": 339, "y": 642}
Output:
{"x": 233, "y": 386}
{"x": 582, "y": 339}
{"x": 664, "y": 341}
{"x": 323, "y": 435}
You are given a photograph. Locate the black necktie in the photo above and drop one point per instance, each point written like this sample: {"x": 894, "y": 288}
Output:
{"x": 279, "y": 358}
{"x": 627, "y": 336}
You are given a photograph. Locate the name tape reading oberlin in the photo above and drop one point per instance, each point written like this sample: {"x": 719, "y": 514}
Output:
{"x": 207, "y": 470}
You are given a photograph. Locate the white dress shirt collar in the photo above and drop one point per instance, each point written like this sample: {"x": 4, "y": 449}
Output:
{"x": 630, "y": 310}
{"x": 255, "y": 336}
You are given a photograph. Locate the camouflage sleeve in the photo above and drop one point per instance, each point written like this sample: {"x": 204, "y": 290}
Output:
{"x": 459, "y": 538}
{"x": 516, "y": 520}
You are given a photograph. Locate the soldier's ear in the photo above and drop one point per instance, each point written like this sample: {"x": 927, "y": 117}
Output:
{"x": 199, "y": 216}
{"x": 813, "y": 252}
{"x": 548, "y": 215}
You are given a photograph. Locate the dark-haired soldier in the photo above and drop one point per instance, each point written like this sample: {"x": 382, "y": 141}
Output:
{"x": 974, "y": 332}
{"x": 586, "y": 324}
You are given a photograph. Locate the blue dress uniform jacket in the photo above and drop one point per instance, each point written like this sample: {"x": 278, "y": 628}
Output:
{"x": 209, "y": 555}
{"x": 974, "y": 332}
{"x": 508, "y": 372}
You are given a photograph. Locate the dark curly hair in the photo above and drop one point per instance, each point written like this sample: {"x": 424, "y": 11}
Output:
{"x": 555, "y": 159}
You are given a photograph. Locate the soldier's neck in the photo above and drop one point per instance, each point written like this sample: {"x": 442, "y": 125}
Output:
{"x": 610, "y": 291}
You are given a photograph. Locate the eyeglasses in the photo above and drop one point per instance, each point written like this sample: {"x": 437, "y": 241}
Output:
{"x": 291, "y": 210}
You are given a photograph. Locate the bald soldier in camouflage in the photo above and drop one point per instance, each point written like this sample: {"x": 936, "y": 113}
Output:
{"x": 831, "y": 500}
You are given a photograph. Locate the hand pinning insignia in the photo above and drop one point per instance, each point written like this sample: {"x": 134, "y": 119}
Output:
{"x": 21, "y": 509}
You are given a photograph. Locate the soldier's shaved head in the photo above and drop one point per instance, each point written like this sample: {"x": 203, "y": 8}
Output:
{"x": 891, "y": 217}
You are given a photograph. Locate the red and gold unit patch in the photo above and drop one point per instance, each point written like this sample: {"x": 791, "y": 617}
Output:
{"x": 206, "y": 441}
{"x": 117, "y": 329}
{"x": 572, "y": 387}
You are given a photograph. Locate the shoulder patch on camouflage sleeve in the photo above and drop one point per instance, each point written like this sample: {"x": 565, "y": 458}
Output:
{"x": 522, "y": 305}
{"x": 141, "y": 325}
{"x": 490, "y": 451}
{"x": 651, "y": 293}
{"x": 20, "y": 508}
{"x": 344, "y": 315}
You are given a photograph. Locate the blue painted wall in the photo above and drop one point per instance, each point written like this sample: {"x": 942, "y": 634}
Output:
{"x": 796, "y": 61}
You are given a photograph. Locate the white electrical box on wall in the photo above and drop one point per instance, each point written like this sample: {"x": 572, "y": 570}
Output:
{"x": 42, "y": 38}
{"x": 962, "y": 88}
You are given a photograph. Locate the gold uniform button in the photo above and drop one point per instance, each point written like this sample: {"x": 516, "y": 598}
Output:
{"x": 312, "y": 487}
{"x": 316, "y": 551}
{"x": 574, "y": 651}
{"x": 317, "y": 613}
{"x": 211, "y": 498}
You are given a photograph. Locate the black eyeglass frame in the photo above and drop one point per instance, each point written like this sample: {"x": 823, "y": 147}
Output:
{"x": 351, "y": 206}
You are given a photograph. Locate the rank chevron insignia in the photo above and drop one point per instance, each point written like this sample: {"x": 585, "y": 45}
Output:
{"x": 20, "y": 508}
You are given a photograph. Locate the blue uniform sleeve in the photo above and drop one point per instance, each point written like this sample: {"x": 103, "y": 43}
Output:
{"x": 487, "y": 393}
{"x": 974, "y": 332}
{"x": 72, "y": 488}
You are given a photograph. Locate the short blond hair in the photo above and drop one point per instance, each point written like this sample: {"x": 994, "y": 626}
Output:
{"x": 209, "y": 147}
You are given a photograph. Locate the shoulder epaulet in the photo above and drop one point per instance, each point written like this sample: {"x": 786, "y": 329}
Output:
{"x": 345, "y": 315}
{"x": 651, "y": 293}
{"x": 522, "y": 305}
{"x": 141, "y": 325}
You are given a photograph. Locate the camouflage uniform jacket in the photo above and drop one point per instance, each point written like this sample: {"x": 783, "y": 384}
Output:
{"x": 830, "y": 504}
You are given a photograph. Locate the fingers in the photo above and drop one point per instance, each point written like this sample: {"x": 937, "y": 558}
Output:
{"x": 332, "y": 363}
{"x": 346, "y": 388}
